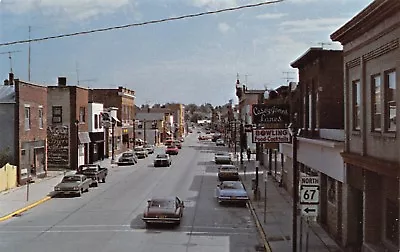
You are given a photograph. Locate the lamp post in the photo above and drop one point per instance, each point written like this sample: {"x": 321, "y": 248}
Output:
{"x": 77, "y": 142}
{"x": 294, "y": 131}
{"x": 112, "y": 139}
{"x": 241, "y": 141}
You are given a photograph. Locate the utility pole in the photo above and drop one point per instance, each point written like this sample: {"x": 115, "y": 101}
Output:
{"x": 29, "y": 55}
{"x": 287, "y": 78}
{"x": 10, "y": 58}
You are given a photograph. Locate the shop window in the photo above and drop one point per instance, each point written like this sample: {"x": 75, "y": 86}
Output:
{"x": 356, "y": 102}
{"x": 56, "y": 114}
{"x": 96, "y": 121}
{"x": 390, "y": 101}
{"x": 82, "y": 114}
{"x": 392, "y": 226}
{"x": 27, "y": 117}
{"x": 331, "y": 187}
{"x": 95, "y": 147}
{"x": 376, "y": 108}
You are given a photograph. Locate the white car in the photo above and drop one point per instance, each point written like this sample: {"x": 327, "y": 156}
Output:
{"x": 223, "y": 158}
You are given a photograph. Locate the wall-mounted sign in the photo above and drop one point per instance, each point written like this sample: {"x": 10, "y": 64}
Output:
{"x": 58, "y": 146}
{"x": 270, "y": 113}
{"x": 248, "y": 128}
{"x": 271, "y": 136}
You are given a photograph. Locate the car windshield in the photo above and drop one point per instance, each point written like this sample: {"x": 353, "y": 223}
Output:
{"x": 162, "y": 203}
{"x": 71, "y": 179}
{"x": 125, "y": 155}
{"x": 226, "y": 169}
{"x": 162, "y": 156}
{"x": 139, "y": 149}
{"x": 222, "y": 154}
{"x": 231, "y": 185}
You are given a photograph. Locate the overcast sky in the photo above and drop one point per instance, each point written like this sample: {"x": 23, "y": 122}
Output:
{"x": 189, "y": 61}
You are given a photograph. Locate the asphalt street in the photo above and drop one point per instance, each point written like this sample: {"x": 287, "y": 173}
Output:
{"x": 108, "y": 218}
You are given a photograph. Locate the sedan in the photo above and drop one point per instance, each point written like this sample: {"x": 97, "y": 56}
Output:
{"x": 220, "y": 142}
{"x": 231, "y": 191}
{"x": 149, "y": 148}
{"x": 228, "y": 172}
{"x": 73, "y": 184}
{"x": 172, "y": 150}
{"x": 222, "y": 158}
{"x": 162, "y": 160}
{"x": 167, "y": 210}
{"x": 141, "y": 152}
{"x": 127, "y": 158}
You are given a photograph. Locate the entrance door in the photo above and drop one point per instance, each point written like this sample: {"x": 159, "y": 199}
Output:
{"x": 359, "y": 216}
{"x": 39, "y": 161}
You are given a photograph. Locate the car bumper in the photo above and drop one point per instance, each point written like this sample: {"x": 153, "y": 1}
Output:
{"x": 233, "y": 199}
{"x": 223, "y": 161}
{"x": 65, "y": 192}
{"x": 125, "y": 163}
{"x": 172, "y": 152}
{"x": 161, "y": 220}
{"x": 161, "y": 164}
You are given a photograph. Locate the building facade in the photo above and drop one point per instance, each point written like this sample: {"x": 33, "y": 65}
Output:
{"x": 372, "y": 149}
{"x": 96, "y": 132}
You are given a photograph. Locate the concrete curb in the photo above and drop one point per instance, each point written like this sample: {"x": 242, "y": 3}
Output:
{"x": 24, "y": 209}
{"x": 260, "y": 229}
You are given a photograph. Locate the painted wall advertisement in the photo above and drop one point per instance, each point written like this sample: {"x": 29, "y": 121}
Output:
{"x": 271, "y": 136}
{"x": 58, "y": 146}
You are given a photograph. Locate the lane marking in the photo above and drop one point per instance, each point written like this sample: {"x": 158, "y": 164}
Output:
{"x": 24, "y": 209}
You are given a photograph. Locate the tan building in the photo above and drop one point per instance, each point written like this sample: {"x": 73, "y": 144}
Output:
{"x": 178, "y": 113}
{"x": 372, "y": 149}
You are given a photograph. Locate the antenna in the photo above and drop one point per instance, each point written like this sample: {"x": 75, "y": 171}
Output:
{"x": 287, "y": 78}
{"x": 324, "y": 43}
{"x": 10, "y": 58}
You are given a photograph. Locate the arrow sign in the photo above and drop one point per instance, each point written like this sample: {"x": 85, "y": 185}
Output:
{"x": 309, "y": 210}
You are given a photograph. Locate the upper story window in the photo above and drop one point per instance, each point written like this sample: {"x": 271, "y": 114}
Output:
{"x": 82, "y": 114}
{"x": 40, "y": 118}
{"x": 390, "y": 101}
{"x": 56, "y": 114}
{"x": 96, "y": 121}
{"x": 356, "y": 102}
{"x": 27, "y": 117}
{"x": 376, "y": 107}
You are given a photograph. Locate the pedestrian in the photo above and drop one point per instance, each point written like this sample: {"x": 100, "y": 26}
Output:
{"x": 248, "y": 154}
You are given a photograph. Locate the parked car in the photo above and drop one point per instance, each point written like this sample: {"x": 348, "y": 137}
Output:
{"x": 228, "y": 173}
{"x": 73, "y": 184}
{"x": 178, "y": 144}
{"x": 220, "y": 142}
{"x": 181, "y": 139}
{"x": 127, "y": 158}
{"x": 167, "y": 210}
{"x": 169, "y": 142}
{"x": 94, "y": 172}
{"x": 141, "y": 152}
{"x": 162, "y": 160}
{"x": 149, "y": 148}
{"x": 222, "y": 158}
{"x": 215, "y": 137}
{"x": 172, "y": 150}
{"x": 231, "y": 191}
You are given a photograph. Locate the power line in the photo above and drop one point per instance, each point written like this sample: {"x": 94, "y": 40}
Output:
{"x": 142, "y": 23}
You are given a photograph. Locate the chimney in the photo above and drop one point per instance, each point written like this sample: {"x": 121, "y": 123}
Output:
{"x": 62, "y": 81}
{"x": 5, "y": 82}
{"x": 10, "y": 79}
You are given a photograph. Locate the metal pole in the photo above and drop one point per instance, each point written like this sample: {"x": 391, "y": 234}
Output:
{"x": 27, "y": 189}
{"x": 282, "y": 170}
{"x": 241, "y": 142}
{"x": 144, "y": 131}
{"x": 112, "y": 141}
{"x": 265, "y": 197}
{"x": 295, "y": 192}
{"x": 308, "y": 231}
{"x": 270, "y": 162}
{"x": 134, "y": 133}
{"x": 275, "y": 161}
{"x": 234, "y": 138}
{"x": 301, "y": 234}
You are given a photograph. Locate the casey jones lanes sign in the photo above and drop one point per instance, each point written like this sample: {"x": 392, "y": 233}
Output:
{"x": 270, "y": 113}
{"x": 271, "y": 136}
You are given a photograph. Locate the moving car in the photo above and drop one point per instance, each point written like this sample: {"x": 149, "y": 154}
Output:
{"x": 222, "y": 158}
{"x": 141, "y": 152}
{"x": 228, "y": 173}
{"x": 167, "y": 210}
{"x": 127, "y": 158}
{"x": 94, "y": 172}
{"x": 73, "y": 184}
{"x": 220, "y": 142}
{"x": 231, "y": 191}
{"x": 172, "y": 150}
{"x": 149, "y": 148}
{"x": 162, "y": 160}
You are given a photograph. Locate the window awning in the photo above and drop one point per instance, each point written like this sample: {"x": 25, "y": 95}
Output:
{"x": 115, "y": 118}
{"x": 83, "y": 137}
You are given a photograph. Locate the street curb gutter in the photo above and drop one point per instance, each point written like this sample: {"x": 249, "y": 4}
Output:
{"x": 260, "y": 229}
{"x": 24, "y": 209}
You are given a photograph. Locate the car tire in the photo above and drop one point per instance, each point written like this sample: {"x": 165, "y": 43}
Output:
{"x": 147, "y": 224}
{"x": 96, "y": 184}
{"x": 103, "y": 180}
{"x": 87, "y": 189}
{"x": 80, "y": 193}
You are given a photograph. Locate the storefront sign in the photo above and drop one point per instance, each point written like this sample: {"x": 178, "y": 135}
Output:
{"x": 271, "y": 136}
{"x": 270, "y": 113}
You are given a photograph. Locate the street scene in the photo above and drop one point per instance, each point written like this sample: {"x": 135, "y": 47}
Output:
{"x": 190, "y": 126}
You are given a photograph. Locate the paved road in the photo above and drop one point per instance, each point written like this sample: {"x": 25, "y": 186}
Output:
{"x": 108, "y": 217}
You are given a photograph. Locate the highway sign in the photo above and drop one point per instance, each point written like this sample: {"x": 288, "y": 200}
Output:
{"x": 309, "y": 194}
{"x": 309, "y": 180}
{"x": 310, "y": 210}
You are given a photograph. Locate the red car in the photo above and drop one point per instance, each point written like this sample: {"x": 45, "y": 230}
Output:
{"x": 172, "y": 150}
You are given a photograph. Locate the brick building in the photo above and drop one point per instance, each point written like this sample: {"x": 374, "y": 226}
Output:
{"x": 67, "y": 131}
{"x": 124, "y": 100}
{"x": 372, "y": 149}
{"x": 23, "y": 131}
{"x": 319, "y": 114}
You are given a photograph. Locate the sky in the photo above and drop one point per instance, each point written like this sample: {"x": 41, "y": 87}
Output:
{"x": 193, "y": 60}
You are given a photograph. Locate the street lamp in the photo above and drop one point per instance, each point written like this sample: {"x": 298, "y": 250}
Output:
{"x": 113, "y": 122}
{"x": 294, "y": 132}
{"x": 77, "y": 142}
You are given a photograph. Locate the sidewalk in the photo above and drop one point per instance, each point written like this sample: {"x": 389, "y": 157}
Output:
{"x": 278, "y": 218}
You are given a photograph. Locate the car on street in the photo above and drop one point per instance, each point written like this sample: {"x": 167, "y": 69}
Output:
{"x": 127, "y": 158}
{"x": 172, "y": 150}
{"x": 178, "y": 144}
{"x": 166, "y": 210}
{"x": 220, "y": 142}
{"x": 141, "y": 152}
{"x": 162, "y": 160}
{"x": 228, "y": 172}
{"x": 223, "y": 158}
{"x": 231, "y": 192}
{"x": 73, "y": 184}
{"x": 149, "y": 148}
{"x": 94, "y": 172}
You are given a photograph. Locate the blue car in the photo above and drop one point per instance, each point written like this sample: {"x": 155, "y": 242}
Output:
{"x": 231, "y": 192}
